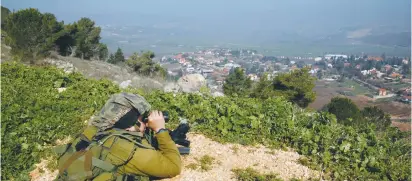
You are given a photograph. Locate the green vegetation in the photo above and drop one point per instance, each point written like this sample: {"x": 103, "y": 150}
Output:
{"x": 348, "y": 113}
{"x": 192, "y": 166}
{"x": 376, "y": 116}
{"x": 237, "y": 83}
{"x": 34, "y": 115}
{"x": 118, "y": 57}
{"x": 32, "y": 35}
{"x": 345, "y": 110}
{"x": 295, "y": 86}
{"x": 4, "y": 13}
{"x": 249, "y": 174}
{"x": 204, "y": 163}
{"x": 144, "y": 65}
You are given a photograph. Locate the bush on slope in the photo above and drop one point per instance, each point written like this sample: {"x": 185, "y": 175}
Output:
{"x": 35, "y": 115}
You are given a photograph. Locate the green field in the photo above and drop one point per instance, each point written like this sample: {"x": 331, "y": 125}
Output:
{"x": 355, "y": 87}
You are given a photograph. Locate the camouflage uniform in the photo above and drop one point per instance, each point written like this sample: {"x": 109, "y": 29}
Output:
{"x": 116, "y": 107}
{"x": 128, "y": 157}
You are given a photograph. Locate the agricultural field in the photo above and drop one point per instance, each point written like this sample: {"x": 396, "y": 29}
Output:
{"x": 326, "y": 90}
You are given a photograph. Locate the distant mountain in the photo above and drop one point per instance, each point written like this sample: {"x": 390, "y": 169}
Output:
{"x": 402, "y": 39}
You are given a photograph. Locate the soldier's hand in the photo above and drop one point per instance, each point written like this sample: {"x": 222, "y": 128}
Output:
{"x": 156, "y": 121}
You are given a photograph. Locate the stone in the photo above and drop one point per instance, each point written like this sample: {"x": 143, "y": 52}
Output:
{"x": 125, "y": 84}
{"x": 171, "y": 87}
{"x": 191, "y": 82}
{"x": 217, "y": 94}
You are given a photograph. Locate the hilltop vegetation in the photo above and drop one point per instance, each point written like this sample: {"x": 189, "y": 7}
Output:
{"x": 33, "y": 35}
{"x": 35, "y": 115}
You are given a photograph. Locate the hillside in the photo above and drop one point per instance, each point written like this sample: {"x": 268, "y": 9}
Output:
{"x": 284, "y": 164}
{"x": 35, "y": 115}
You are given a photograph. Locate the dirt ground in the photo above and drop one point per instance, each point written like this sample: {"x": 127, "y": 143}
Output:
{"x": 324, "y": 94}
{"x": 402, "y": 126}
{"x": 226, "y": 157}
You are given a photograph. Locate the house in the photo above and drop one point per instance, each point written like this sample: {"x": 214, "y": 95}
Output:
{"x": 358, "y": 66}
{"x": 190, "y": 69}
{"x": 253, "y": 77}
{"x": 178, "y": 56}
{"x": 379, "y": 74}
{"x": 207, "y": 70}
{"x": 382, "y": 92}
{"x": 365, "y": 72}
{"x": 330, "y": 65}
{"x": 388, "y": 67}
{"x": 395, "y": 75}
{"x": 182, "y": 60}
{"x": 347, "y": 64}
{"x": 405, "y": 61}
{"x": 373, "y": 71}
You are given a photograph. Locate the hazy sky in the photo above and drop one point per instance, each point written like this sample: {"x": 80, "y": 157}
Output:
{"x": 237, "y": 18}
{"x": 274, "y": 12}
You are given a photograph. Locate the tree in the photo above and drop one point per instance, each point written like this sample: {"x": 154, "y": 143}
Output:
{"x": 111, "y": 59}
{"x": 4, "y": 13}
{"x": 87, "y": 38}
{"x": 30, "y": 33}
{"x": 345, "y": 110}
{"x": 235, "y": 53}
{"x": 144, "y": 65}
{"x": 237, "y": 84}
{"x": 101, "y": 52}
{"x": 117, "y": 57}
{"x": 378, "y": 66}
{"x": 66, "y": 43}
{"x": 296, "y": 86}
{"x": 376, "y": 116}
{"x": 319, "y": 74}
{"x": 264, "y": 88}
{"x": 406, "y": 68}
{"x": 301, "y": 64}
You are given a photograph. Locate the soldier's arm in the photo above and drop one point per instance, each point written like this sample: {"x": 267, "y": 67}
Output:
{"x": 163, "y": 163}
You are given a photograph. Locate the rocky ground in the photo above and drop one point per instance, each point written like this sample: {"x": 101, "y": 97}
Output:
{"x": 226, "y": 157}
{"x": 125, "y": 77}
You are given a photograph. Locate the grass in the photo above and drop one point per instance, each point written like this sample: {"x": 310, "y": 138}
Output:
{"x": 192, "y": 166}
{"x": 204, "y": 163}
{"x": 235, "y": 149}
{"x": 357, "y": 89}
{"x": 249, "y": 174}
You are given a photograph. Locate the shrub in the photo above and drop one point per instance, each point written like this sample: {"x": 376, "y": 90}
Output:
{"x": 250, "y": 174}
{"x": 34, "y": 115}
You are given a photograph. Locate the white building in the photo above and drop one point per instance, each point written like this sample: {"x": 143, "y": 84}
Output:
{"x": 253, "y": 77}
{"x": 317, "y": 59}
{"x": 190, "y": 69}
{"x": 330, "y": 56}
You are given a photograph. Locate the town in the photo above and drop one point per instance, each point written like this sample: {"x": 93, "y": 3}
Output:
{"x": 379, "y": 76}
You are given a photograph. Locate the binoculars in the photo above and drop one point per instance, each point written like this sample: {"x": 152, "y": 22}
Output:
{"x": 165, "y": 116}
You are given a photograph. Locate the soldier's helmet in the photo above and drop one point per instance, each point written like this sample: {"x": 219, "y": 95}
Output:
{"x": 120, "y": 111}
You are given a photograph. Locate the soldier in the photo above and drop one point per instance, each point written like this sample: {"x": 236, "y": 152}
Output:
{"x": 114, "y": 146}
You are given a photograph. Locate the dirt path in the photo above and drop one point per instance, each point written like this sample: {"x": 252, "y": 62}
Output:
{"x": 227, "y": 157}
{"x": 230, "y": 156}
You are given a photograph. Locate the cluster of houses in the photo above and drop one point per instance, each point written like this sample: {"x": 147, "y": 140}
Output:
{"x": 215, "y": 65}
